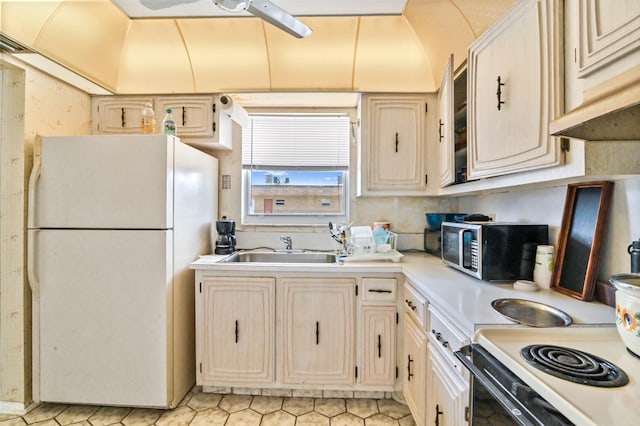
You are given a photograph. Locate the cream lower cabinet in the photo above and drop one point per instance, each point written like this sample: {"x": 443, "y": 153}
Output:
{"x": 448, "y": 380}
{"x": 235, "y": 326}
{"x": 318, "y": 323}
{"x": 414, "y": 369}
{"x": 378, "y": 325}
{"x": 448, "y": 392}
{"x": 515, "y": 90}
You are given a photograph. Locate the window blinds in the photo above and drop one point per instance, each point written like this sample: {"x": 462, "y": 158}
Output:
{"x": 296, "y": 141}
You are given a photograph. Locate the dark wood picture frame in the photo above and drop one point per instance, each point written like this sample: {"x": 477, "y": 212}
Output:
{"x": 581, "y": 237}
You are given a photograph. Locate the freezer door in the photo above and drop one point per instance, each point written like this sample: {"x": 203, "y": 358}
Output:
{"x": 103, "y": 313}
{"x": 104, "y": 182}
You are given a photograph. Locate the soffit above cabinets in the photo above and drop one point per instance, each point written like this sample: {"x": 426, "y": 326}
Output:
{"x": 347, "y": 53}
{"x": 207, "y": 8}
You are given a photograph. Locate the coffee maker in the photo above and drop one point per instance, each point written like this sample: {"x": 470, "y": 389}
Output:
{"x": 226, "y": 241}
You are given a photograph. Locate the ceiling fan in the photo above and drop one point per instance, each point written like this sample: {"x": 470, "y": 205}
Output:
{"x": 264, "y": 9}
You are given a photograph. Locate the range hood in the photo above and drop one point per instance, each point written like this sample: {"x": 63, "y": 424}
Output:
{"x": 610, "y": 111}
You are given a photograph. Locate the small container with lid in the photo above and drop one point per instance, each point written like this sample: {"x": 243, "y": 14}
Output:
{"x": 628, "y": 309}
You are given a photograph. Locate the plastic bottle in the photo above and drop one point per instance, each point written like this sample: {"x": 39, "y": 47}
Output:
{"x": 169, "y": 124}
{"x": 148, "y": 120}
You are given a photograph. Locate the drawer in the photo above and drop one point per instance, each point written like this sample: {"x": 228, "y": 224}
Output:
{"x": 443, "y": 333}
{"x": 415, "y": 304}
{"x": 379, "y": 289}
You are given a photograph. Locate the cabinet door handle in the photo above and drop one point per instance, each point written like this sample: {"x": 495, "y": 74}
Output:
{"x": 184, "y": 116}
{"x": 317, "y": 332}
{"x": 440, "y": 125}
{"x": 499, "y": 93}
{"x": 438, "y": 412}
{"x": 397, "y": 142}
{"x": 236, "y": 331}
{"x": 379, "y": 346}
{"x": 409, "y": 373}
{"x": 378, "y": 290}
{"x": 122, "y": 119}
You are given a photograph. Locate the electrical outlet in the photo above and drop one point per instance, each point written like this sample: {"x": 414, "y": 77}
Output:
{"x": 226, "y": 181}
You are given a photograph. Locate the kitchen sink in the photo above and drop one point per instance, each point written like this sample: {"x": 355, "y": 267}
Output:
{"x": 281, "y": 257}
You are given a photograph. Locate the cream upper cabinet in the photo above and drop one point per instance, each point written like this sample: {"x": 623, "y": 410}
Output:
{"x": 515, "y": 90}
{"x": 446, "y": 127}
{"x": 392, "y": 155}
{"x": 199, "y": 121}
{"x": 318, "y": 331}
{"x": 235, "y": 323}
{"x": 193, "y": 114}
{"x": 119, "y": 115}
{"x": 609, "y": 33}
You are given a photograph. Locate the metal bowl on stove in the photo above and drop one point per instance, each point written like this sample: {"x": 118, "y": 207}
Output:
{"x": 531, "y": 313}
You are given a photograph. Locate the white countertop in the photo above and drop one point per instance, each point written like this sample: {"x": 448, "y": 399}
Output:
{"x": 464, "y": 299}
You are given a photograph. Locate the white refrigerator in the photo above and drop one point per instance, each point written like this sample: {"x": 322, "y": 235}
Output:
{"x": 114, "y": 222}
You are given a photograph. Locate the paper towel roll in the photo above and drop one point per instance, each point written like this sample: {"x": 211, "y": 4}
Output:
{"x": 233, "y": 110}
{"x": 543, "y": 267}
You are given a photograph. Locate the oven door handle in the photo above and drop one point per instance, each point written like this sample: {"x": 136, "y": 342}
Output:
{"x": 499, "y": 395}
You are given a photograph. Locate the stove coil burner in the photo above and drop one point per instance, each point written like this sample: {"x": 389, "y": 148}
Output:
{"x": 574, "y": 365}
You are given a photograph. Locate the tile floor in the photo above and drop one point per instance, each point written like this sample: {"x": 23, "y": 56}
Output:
{"x": 208, "y": 409}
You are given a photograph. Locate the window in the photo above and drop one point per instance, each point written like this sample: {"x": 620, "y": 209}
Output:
{"x": 295, "y": 169}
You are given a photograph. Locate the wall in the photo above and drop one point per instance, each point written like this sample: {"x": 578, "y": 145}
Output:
{"x": 547, "y": 206}
{"x": 33, "y": 103}
{"x": 406, "y": 214}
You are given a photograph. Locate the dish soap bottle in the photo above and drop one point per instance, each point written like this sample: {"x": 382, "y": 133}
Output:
{"x": 148, "y": 120}
{"x": 169, "y": 124}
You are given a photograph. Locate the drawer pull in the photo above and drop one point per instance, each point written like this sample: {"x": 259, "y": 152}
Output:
{"x": 236, "y": 331}
{"x": 317, "y": 332}
{"x": 409, "y": 373}
{"x": 379, "y": 346}
{"x": 377, "y": 290}
{"x": 439, "y": 338}
{"x": 410, "y": 304}
{"x": 440, "y": 135}
{"x": 122, "y": 119}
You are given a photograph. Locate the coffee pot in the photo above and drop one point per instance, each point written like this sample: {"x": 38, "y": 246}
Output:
{"x": 226, "y": 241}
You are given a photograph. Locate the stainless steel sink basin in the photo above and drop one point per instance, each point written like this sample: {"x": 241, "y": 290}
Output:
{"x": 281, "y": 257}
{"x": 531, "y": 313}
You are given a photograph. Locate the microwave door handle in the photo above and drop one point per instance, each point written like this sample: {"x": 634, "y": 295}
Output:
{"x": 461, "y": 247}
{"x": 500, "y": 396}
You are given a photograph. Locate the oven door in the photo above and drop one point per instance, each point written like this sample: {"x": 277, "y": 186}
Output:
{"x": 499, "y": 395}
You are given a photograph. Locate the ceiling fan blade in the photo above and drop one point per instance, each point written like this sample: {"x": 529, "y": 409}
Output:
{"x": 278, "y": 17}
{"x": 163, "y": 4}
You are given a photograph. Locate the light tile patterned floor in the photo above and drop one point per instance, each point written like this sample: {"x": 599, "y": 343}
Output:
{"x": 208, "y": 409}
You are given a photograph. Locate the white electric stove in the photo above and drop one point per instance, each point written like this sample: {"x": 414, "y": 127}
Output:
{"x": 581, "y": 404}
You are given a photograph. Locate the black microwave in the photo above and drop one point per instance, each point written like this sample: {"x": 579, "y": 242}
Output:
{"x": 493, "y": 251}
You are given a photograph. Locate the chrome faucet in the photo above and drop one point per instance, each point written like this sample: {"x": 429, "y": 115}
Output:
{"x": 286, "y": 239}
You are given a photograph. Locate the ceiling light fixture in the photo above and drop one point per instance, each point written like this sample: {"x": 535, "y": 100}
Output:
{"x": 263, "y": 9}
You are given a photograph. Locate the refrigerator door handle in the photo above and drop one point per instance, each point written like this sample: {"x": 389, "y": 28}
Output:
{"x": 33, "y": 180}
{"x": 31, "y": 270}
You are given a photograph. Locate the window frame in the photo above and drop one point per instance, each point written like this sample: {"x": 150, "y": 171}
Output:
{"x": 307, "y": 220}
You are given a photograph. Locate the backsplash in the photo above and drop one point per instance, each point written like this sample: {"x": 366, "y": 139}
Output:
{"x": 547, "y": 205}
